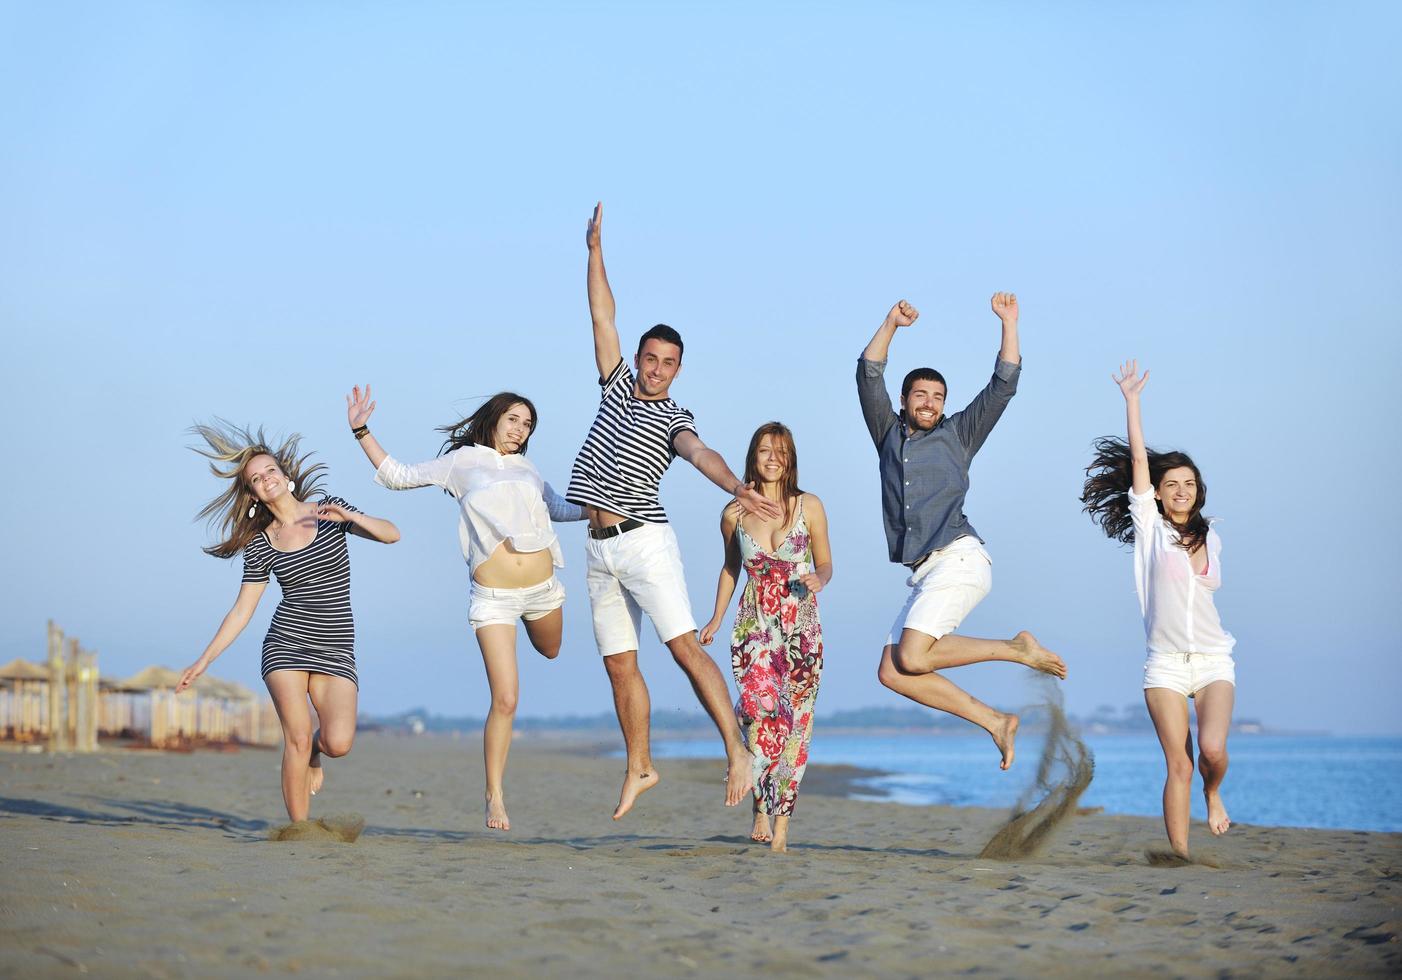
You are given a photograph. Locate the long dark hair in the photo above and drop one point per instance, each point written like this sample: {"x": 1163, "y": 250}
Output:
{"x": 789, "y": 484}
{"x": 228, "y": 449}
{"x": 1110, "y": 476}
{"x": 478, "y": 428}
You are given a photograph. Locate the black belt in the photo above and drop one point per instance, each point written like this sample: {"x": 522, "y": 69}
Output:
{"x": 614, "y": 530}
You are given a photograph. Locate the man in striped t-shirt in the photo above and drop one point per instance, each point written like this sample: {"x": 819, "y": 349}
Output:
{"x": 634, "y": 564}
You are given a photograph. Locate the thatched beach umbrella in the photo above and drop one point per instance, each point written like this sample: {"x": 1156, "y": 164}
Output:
{"x": 22, "y": 707}
{"x": 153, "y": 678}
{"x": 20, "y": 669}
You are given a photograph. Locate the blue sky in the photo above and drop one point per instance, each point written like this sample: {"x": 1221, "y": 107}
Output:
{"x": 243, "y": 209}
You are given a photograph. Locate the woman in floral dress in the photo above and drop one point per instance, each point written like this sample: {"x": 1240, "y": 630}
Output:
{"x": 776, "y": 651}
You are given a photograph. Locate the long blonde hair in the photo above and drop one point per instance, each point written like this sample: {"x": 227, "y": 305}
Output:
{"x": 228, "y": 449}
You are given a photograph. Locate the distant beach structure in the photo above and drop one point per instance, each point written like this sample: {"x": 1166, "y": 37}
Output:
{"x": 65, "y": 705}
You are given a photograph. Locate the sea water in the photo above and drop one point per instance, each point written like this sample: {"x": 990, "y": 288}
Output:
{"x": 1273, "y": 780}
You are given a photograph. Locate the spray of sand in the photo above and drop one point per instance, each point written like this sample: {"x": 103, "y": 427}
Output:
{"x": 342, "y": 827}
{"x": 1168, "y": 859}
{"x": 1063, "y": 773}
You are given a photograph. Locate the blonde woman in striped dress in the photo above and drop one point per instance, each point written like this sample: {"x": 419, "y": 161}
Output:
{"x": 309, "y": 651}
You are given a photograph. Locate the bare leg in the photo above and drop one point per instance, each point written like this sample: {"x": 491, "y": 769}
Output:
{"x": 1214, "y": 709}
{"x": 709, "y": 685}
{"x": 934, "y": 691}
{"x": 545, "y": 632}
{"x": 288, "y": 689}
{"x": 498, "y": 643}
{"x": 334, "y": 699}
{"x": 631, "y": 701}
{"x": 1169, "y": 711}
{"x": 781, "y": 835}
{"x": 921, "y": 653}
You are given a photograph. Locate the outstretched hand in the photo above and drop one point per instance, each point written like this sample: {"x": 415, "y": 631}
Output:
{"x": 902, "y": 314}
{"x": 751, "y": 501}
{"x": 1005, "y": 305}
{"x": 359, "y": 407}
{"x": 188, "y": 676}
{"x": 593, "y": 235}
{"x": 1130, "y": 386}
{"x": 331, "y": 512}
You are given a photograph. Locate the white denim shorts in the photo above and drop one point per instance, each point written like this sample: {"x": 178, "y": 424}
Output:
{"x": 944, "y": 588}
{"x": 636, "y": 572}
{"x": 490, "y": 607}
{"x": 1188, "y": 673}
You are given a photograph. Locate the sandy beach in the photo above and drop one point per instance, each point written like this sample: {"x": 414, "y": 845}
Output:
{"x": 144, "y": 864}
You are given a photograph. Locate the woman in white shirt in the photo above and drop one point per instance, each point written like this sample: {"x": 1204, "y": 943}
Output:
{"x": 1155, "y": 500}
{"x": 505, "y": 510}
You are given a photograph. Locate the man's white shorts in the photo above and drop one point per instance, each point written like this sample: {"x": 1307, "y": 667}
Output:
{"x": 944, "y": 588}
{"x": 490, "y": 607}
{"x": 1188, "y": 673}
{"x": 636, "y": 572}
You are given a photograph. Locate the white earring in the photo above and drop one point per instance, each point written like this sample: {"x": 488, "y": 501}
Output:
{"x": 252, "y": 509}
{"x": 291, "y": 486}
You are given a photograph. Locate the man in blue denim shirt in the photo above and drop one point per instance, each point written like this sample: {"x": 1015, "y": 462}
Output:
{"x": 925, "y": 458}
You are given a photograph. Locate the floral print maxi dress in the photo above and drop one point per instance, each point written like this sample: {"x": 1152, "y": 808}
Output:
{"x": 776, "y": 654}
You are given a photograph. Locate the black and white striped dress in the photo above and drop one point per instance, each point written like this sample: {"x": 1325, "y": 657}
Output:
{"x": 312, "y": 629}
{"x": 628, "y": 449}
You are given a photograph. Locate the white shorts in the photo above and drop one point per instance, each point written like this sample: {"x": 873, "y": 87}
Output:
{"x": 636, "y": 572}
{"x": 944, "y": 588}
{"x": 1188, "y": 673}
{"x": 490, "y": 607}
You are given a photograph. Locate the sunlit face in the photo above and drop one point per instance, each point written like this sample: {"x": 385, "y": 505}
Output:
{"x": 656, "y": 365}
{"x": 1178, "y": 492}
{"x": 513, "y": 429}
{"x": 924, "y": 404}
{"x": 771, "y": 458}
{"x": 264, "y": 478}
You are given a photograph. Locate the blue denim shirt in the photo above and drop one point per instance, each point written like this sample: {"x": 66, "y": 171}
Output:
{"x": 925, "y": 476}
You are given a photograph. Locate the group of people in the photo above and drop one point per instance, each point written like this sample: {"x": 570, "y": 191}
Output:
{"x": 272, "y": 512}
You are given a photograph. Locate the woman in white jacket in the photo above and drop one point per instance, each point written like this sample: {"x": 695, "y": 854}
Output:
{"x": 1154, "y": 501}
{"x": 505, "y": 510}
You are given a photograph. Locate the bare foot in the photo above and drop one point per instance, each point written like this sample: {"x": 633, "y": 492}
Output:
{"x": 761, "y": 834}
{"x": 780, "y": 842}
{"x": 1217, "y": 820}
{"x": 739, "y": 779}
{"x": 1003, "y": 735}
{"x": 315, "y": 774}
{"x": 635, "y": 784}
{"x": 1038, "y": 657}
{"x": 496, "y": 813}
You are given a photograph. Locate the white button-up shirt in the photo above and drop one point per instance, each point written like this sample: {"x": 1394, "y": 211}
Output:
{"x": 501, "y": 498}
{"x": 1176, "y": 602}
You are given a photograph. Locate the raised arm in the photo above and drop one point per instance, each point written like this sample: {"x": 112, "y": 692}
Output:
{"x": 607, "y": 352}
{"x": 390, "y": 472}
{"x": 729, "y": 571}
{"x": 871, "y": 372}
{"x": 977, "y": 419}
{"x": 817, "y": 519}
{"x": 690, "y": 448}
{"x": 1005, "y": 305}
{"x": 1130, "y": 387}
{"x": 234, "y": 622}
{"x": 901, "y": 315}
{"x": 359, "y": 408}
